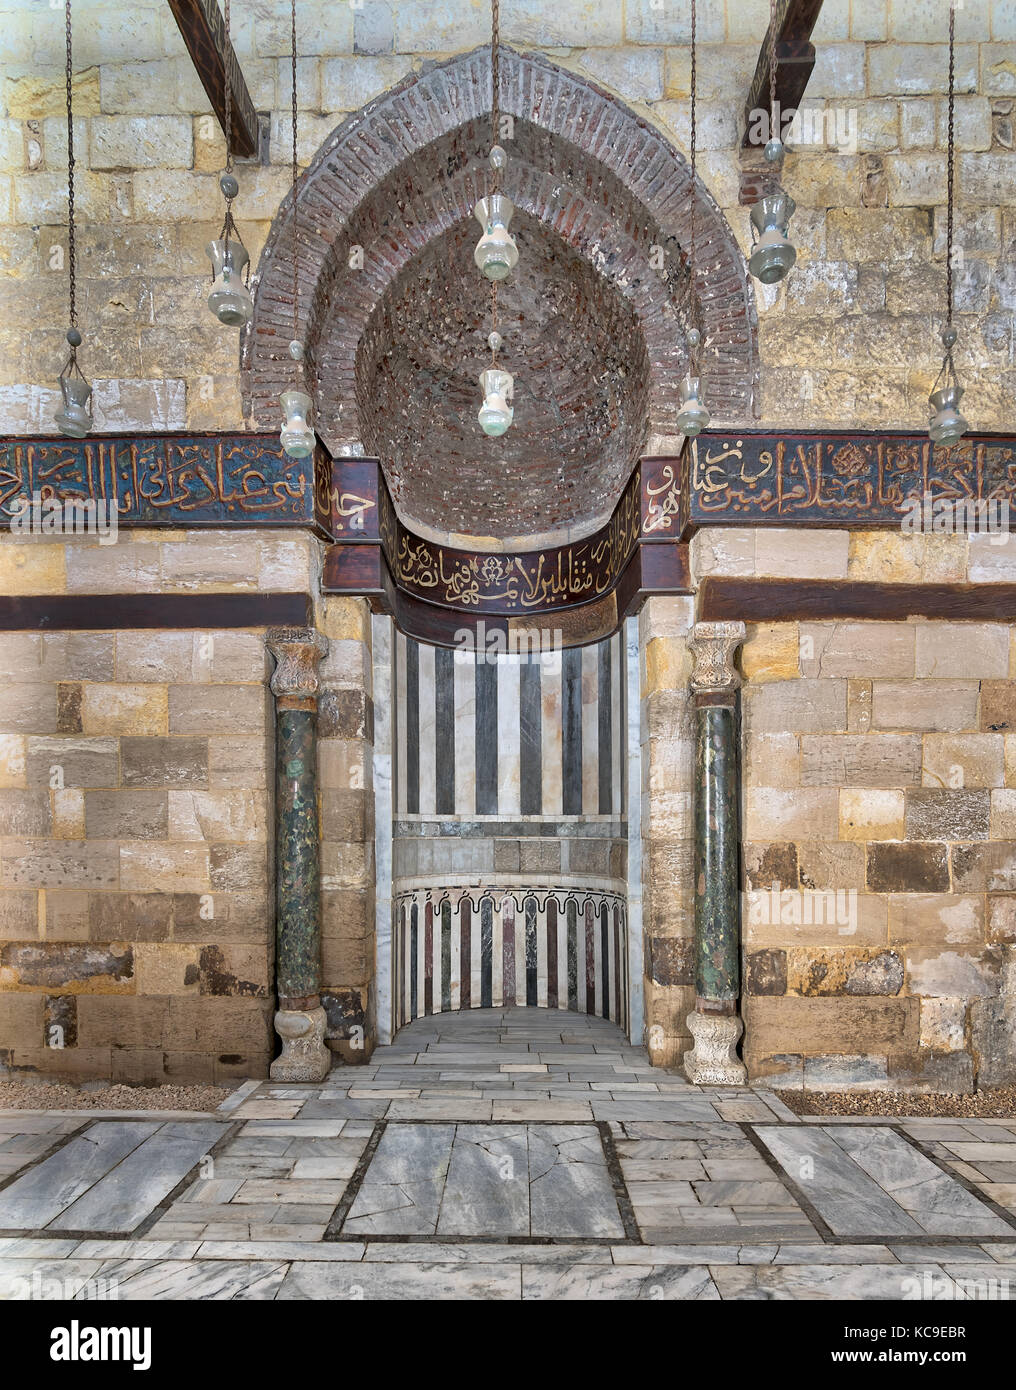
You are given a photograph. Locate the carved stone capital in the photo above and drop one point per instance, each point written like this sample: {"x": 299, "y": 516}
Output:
{"x": 304, "y": 1056}
{"x": 713, "y": 646}
{"x": 297, "y": 651}
{"x": 713, "y": 1061}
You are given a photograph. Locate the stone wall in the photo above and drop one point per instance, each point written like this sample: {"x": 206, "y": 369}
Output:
{"x": 135, "y": 875}
{"x": 346, "y": 781}
{"x": 137, "y": 907}
{"x": 849, "y": 336}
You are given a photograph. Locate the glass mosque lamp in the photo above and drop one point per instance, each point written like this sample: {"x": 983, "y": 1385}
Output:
{"x": 297, "y": 434}
{"x": 692, "y": 415}
{"x": 496, "y": 253}
{"x": 774, "y": 253}
{"x": 74, "y": 415}
{"x": 496, "y": 415}
{"x": 229, "y": 299}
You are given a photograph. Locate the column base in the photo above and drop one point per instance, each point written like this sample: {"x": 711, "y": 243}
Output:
{"x": 304, "y": 1056}
{"x": 713, "y": 1061}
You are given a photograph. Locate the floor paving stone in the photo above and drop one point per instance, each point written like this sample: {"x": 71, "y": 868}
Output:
{"x": 513, "y": 1154}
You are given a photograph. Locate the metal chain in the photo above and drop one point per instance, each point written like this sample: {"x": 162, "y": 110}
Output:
{"x": 495, "y": 134}
{"x": 694, "y": 134}
{"x": 229, "y": 96}
{"x": 296, "y": 242}
{"x": 773, "y": 132}
{"x": 70, "y": 169}
{"x": 495, "y": 79}
{"x": 949, "y": 176}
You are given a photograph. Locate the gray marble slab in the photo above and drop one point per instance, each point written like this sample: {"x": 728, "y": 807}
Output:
{"x": 45, "y": 1191}
{"x": 132, "y": 1190}
{"x": 847, "y": 1199}
{"x": 940, "y": 1205}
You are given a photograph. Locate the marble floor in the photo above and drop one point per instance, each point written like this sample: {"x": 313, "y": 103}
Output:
{"x": 504, "y": 1154}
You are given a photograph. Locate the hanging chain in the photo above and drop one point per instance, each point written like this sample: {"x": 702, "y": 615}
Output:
{"x": 495, "y": 133}
{"x": 949, "y": 175}
{"x": 229, "y": 96}
{"x": 296, "y": 242}
{"x": 495, "y": 78}
{"x": 774, "y": 133}
{"x": 70, "y": 170}
{"x": 694, "y": 189}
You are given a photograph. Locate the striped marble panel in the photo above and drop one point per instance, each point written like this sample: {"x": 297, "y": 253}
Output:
{"x": 515, "y": 735}
{"x": 473, "y": 948}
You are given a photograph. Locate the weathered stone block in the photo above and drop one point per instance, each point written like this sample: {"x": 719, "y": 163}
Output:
{"x": 910, "y": 867}
{"x": 124, "y": 709}
{"x": 840, "y": 972}
{"x": 133, "y": 815}
{"x": 345, "y": 714}
{"x": 948, "y": 815}
{"x": 771, "y": 652}
{"x": 830, "y": 864}
{"x": 943, "y": 1024}
{"x": 69, "y": 968}
{"x": 772, "y": 760}
{"x": 943, "y": 917}
{"x": 235, "y": 868}
{"x": 965, "y": 650}
{"x": 220, "y": 816}
{"x": 238, "y": 762}
{"x": 141, "y": 142}
{"x": 986, "y": 867}
{"x": 860, "y": 760}
{"x": 164, "y": 762}
{"x": 796, "y": 1024}
{"x": 871, "y": 815}
{"x": 774, "y": 814}
{"x": 998, "y": 705}
{"x": 964, "y": 760}
{"x": 924, "y": 704}
{"x": 28, "y": 709}
{"x": 857, "y": 649}
{"x": 770, "y": 863}
{"x": 56, "y": 863}
{"x": 964, "y": 974}
{"x": 166, "y": 867}
{"x": 765, "y": 972}
{"x": 671, "y": 960}
{"x": 24, "y": 813}
{"x": 801, "y": 554}
{"x": 803, "y": 706}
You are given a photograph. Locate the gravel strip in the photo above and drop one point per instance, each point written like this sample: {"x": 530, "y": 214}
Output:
{"x": 997, "y": 1104}
{"x": 34, "y": 1095}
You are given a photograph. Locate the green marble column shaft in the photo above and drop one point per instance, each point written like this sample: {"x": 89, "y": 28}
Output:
{"x": 717, "y": 838}
{"x": 297, "y": 865}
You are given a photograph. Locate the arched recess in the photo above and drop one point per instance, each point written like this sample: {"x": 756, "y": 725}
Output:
{"x": 395, "y": 317}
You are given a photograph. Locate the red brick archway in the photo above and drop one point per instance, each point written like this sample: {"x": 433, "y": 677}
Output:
{"x": 595, "y": 320}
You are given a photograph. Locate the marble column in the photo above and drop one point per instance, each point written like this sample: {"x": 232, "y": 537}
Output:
{"x": 300, "y": 1019}
{"x": 716, "y": 1025}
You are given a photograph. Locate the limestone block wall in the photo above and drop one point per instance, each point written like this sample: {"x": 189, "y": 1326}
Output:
{"x": 880, "y": 854}
{"x": 667, "y": 824}
{"x": 137, "y": 911}
{"x": 850, "y": 335}
{"x": 346, "y": 790}
{"x": 135, "y": 883}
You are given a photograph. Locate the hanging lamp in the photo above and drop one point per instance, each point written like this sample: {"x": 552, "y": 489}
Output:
{"x": 773, "y": 253}
{"x": 692, "y": 416}
{"x": 297, "y": 434}
{"x": 74, "y": 414}
{"x": 229, "y": 299}
{"x": 947, "y": 424}
{"x": 496, "y": 254}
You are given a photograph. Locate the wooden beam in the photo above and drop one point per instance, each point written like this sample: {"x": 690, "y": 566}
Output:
{"x": 795, "y": 58}
{"x": 204, "y": 32}
{"x": 105, "y": 612}
{"x": 807, "y": 600}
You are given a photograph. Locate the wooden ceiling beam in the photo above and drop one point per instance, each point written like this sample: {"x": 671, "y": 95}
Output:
{"x": 795, "y": 58}
{"x": 214, "y": 58}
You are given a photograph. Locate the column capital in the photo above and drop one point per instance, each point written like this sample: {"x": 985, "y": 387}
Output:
{"x": 713, "y": 646}
{"x": 297, "y": 651}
